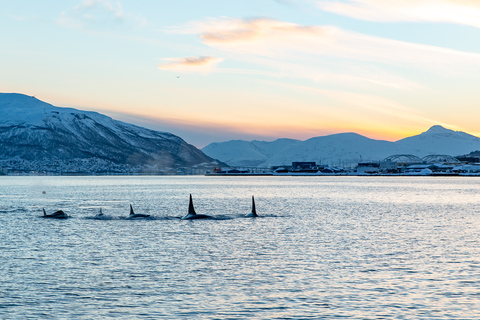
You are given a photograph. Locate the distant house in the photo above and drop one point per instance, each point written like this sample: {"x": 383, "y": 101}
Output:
{"x": 467, "y": 168}
{"x": 368, "y": 167}
{"x": 388, "y": 166}
{"x": 233, "y": 171}
{"x": 420, "y": 169}
{"x": 303, "y": 165}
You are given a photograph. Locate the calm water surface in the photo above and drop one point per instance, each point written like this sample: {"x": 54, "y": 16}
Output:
{"x": 323, "y": 248}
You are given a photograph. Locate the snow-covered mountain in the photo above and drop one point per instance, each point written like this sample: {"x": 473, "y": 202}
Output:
{"x": 344, "y": 149}
{"x": 438, "y": 140}
{"x": 32, "y": 130}
{"x": 249, "y": 154}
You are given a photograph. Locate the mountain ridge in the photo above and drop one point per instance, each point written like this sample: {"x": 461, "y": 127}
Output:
{"x": 33, "y": 130}
{"x": 347, "y": 149}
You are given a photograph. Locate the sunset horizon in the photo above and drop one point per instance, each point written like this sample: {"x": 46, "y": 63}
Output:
{"x": 185, "y": 129}
{"x": 252, "y": 71}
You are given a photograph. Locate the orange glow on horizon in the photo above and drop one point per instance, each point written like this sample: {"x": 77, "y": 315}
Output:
{"x": 276, "y": 126}
{"x": 278, "y": 130}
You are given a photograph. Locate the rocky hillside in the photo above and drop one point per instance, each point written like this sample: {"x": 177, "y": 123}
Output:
{"x": 32, "y": 131}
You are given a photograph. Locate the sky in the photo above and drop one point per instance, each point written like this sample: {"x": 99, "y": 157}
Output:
{"x": 218, "y": 70}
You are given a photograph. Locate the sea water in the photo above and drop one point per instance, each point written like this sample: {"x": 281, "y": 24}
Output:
{"x": 322, "y": 248}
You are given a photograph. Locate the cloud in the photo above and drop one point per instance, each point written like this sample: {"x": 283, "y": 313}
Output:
{"x": 306, "y": 44}
{"x": 239, "y": 31}
{"x": 287, "y": 2}
{"x": 464, "y": 12}
{"x": 190, "y": 64}
{"x": 19, "y": 18}
{"x": 375, "y": 104}
{"x": 98, "y": 14}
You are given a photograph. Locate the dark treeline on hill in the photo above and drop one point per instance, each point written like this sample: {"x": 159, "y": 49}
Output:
{"x": 472, "y": 157}
{"x": 36, "y": 136}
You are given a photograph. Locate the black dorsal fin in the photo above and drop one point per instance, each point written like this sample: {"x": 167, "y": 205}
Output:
{"x": 131, "y": 211}
{"x": 254, "y": 211}
{"x": 191, "y": 209}
{"x": 44, "y": 213}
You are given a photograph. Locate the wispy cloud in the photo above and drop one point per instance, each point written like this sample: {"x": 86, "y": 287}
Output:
{"x": 190, "y": 64}
{"x": 278, "y": 39}
{"x": 306, "y": 44}
{"x": 98, "y": 14}
{"x": 381, "y": 105}
{"x": 19, "y": 18}
{"x": 238, "y": 31}
{"x": 336, "y": 56}
{"x": 464, "y": 12}
{"x": 367, "y": 104}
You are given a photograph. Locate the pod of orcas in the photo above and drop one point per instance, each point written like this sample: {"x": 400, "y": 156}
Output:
{"x": 191, "y": 215}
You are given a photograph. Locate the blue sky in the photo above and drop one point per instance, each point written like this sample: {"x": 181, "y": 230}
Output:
{"x": 212, "y": 71}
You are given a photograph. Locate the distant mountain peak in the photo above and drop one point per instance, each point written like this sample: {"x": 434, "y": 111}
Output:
{"x": 438, "y": 129}
{"x": 21, "y": 100}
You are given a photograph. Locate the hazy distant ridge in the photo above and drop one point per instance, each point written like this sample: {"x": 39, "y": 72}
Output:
{"x": 341, "y": 149}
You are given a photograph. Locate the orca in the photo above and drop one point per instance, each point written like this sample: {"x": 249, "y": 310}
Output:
{"x": 134, "y": 215}
{"x": 56, "y": 215}
{"x": 252, "y": 214}
{"x": 191, "y": 215}
{"x": 100, "y": 214}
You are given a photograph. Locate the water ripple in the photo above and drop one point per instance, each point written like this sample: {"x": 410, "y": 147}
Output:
{"x": 332, "y": 247}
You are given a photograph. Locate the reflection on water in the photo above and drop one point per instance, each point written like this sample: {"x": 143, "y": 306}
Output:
{"x": 323, "y": 247}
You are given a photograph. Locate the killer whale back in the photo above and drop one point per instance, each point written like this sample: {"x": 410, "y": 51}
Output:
{"x": 136, "y": 215}
{"x": 191, "y": 215}
{"x": 57, "y": 214}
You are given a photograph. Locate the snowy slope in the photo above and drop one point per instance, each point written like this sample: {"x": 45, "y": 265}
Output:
{"x": 345, "y": 149}
{"x": 249, "y": 154}
{"x": 338, "y": 150}
{"x": 34, "y": 130}
{"x": 239, "y": 153}
{"x": 438, "y": 140}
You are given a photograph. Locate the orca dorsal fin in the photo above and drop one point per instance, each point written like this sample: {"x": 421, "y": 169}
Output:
{"x": 254, "y": 211}
{"x": 191, "y": 209}
{"x": 131, "y": 211}
{"x": 44, "y": 213}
